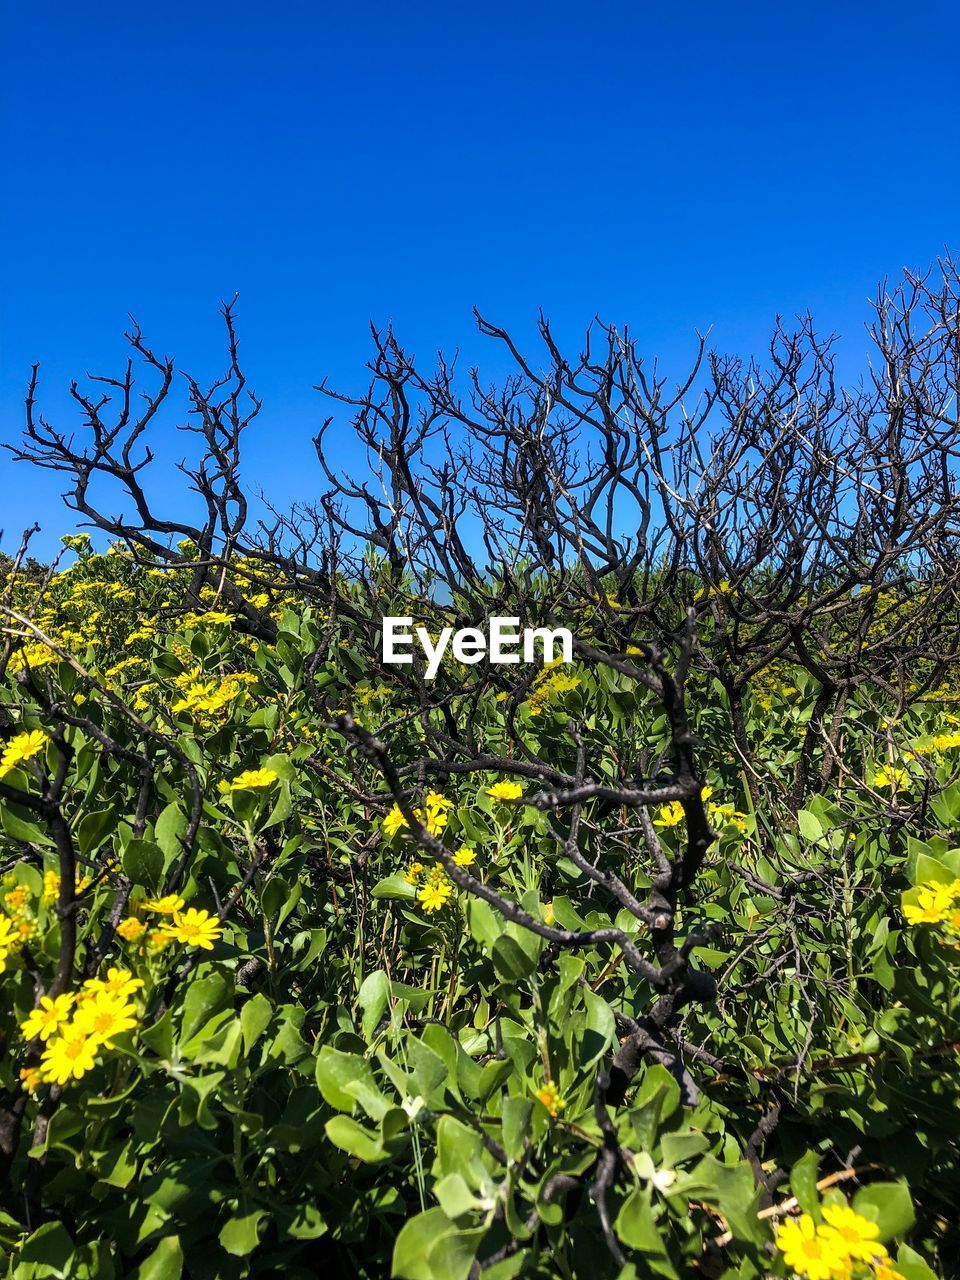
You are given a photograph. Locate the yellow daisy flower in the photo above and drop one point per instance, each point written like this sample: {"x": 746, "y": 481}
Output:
{"x": 194, "y": 928}
{"x": 164, "y": 906}
{"x": 118, "y": 982}
{"x": 434, "y": 896}
{"x": 50, "y": 1014}
{"x": 394, "y": 821}
{"x": 858, "y": 1234}
{"x": 809, "y": 1252}
{"x": 505, "y": 791}
{"x": 21, "y": 747}
{"x": 103, "y": 1016}
{"x": 68, "y": 1056}
{"x": 885, "y": 777}
{"x": 250, "y": 780}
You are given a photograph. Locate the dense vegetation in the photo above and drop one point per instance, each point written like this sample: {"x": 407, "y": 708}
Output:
{"x": 638, "y": 965}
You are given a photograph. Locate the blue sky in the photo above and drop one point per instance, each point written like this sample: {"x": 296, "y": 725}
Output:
{"x": 666, "y": 166}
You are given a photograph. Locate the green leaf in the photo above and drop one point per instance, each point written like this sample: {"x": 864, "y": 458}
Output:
{"x": 344, "y": 1132}
{"x": 946, "y": 805}
{"x": 159, "y": 1037}
{"x": 803, "y": 1184}
{"x": 142, "y": 862}
{"x": 427, "y": 1068}
{"x": 165, "y": 1263}
{"x": 516, "y": 1113}
{"x": 455, "y": 1197}
{"x": 889, "y": 1205}
{"x": 205, "y": 997}
{"x": 512, "y": 963}
{"x": 345, "y": 1079}
{"x": 169, "y": 828}
{"x": 306, "y": 1223}
{"x": 241, "y": 1235}
{"x": 912, "y": 1266}
{"x": 21, "y": 829}
{"x": 636, "y": 1225}
{"x": 394, "y": 887}
{"x": 118, "y": 1167}
{"x": 279, "y": 898}
{"x": 255, "y": 1017}
{"x": 93, "y": 829}
{"x": 600, "y": 1029}
{"x": 732, "y": 1188}
{"x": 485, "y": 924}
{"x": 809, "y": 824}
{"x": 373, "y": 998}
{"x": 48, "y": 1252}
{"x": 459, "y": 1151}
{"x": 927, "y": 869}
{"x": 431, "y": 1247}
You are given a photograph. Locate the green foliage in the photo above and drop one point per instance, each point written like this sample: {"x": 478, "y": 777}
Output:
{"x": 327, "y": 1075}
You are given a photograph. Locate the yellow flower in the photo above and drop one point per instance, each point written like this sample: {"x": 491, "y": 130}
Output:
{"x": 892, "y": 778}
{"x": 206, "y": 697}
{"x": 548, "y": 685}
{"x": 164, "y": 906}
{"x": 22, "y": 747}
{"x": 670, "y": 815}
{"x": 16, "y": 898}
{"x": 433, "y": 816}
{"x": 412, "y": 873}
{"x": 157, "y": 940}
{"x": 51, "y": 888}
{"x": 9, "y": 940}
{"x": 550, "y": 1098}
{"x": 103, "y": 1016}
{"x": 30, "y": 1078}
{"x": 505, "y": 791}
{"x": 250, "y": 780}
{"x": 883, "y": 1271}
{"x": 49, "y": 1015}
{"x": 194, "y": 928}
{"x": 464, "y": 857}
{"x": 857, "y": 1234}
{"x": 933, "y": 904}
{"x": 436, "y": 812}
{"x": 807, "y": 1251}
{"x": 434, "y": 896}
{"x": 923, "y": 915}
{"x": 726, "y": 814}
{"x": 393, "y": 822}
{"x": 131, "y": 929}
{"x": 31, "y": 656}
{"x": 118, "y": 982}
{"x": 68, "y": 1056}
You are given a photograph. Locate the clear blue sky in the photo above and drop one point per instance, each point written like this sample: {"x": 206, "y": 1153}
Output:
{"x": 669, "y": 166}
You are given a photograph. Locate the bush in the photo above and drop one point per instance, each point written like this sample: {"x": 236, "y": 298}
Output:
{"x": 638, "y": 965}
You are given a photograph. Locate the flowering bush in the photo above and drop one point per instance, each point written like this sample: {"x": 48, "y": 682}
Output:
{"x": 639, "y": 964}
{"x": 284, "y": 1018}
